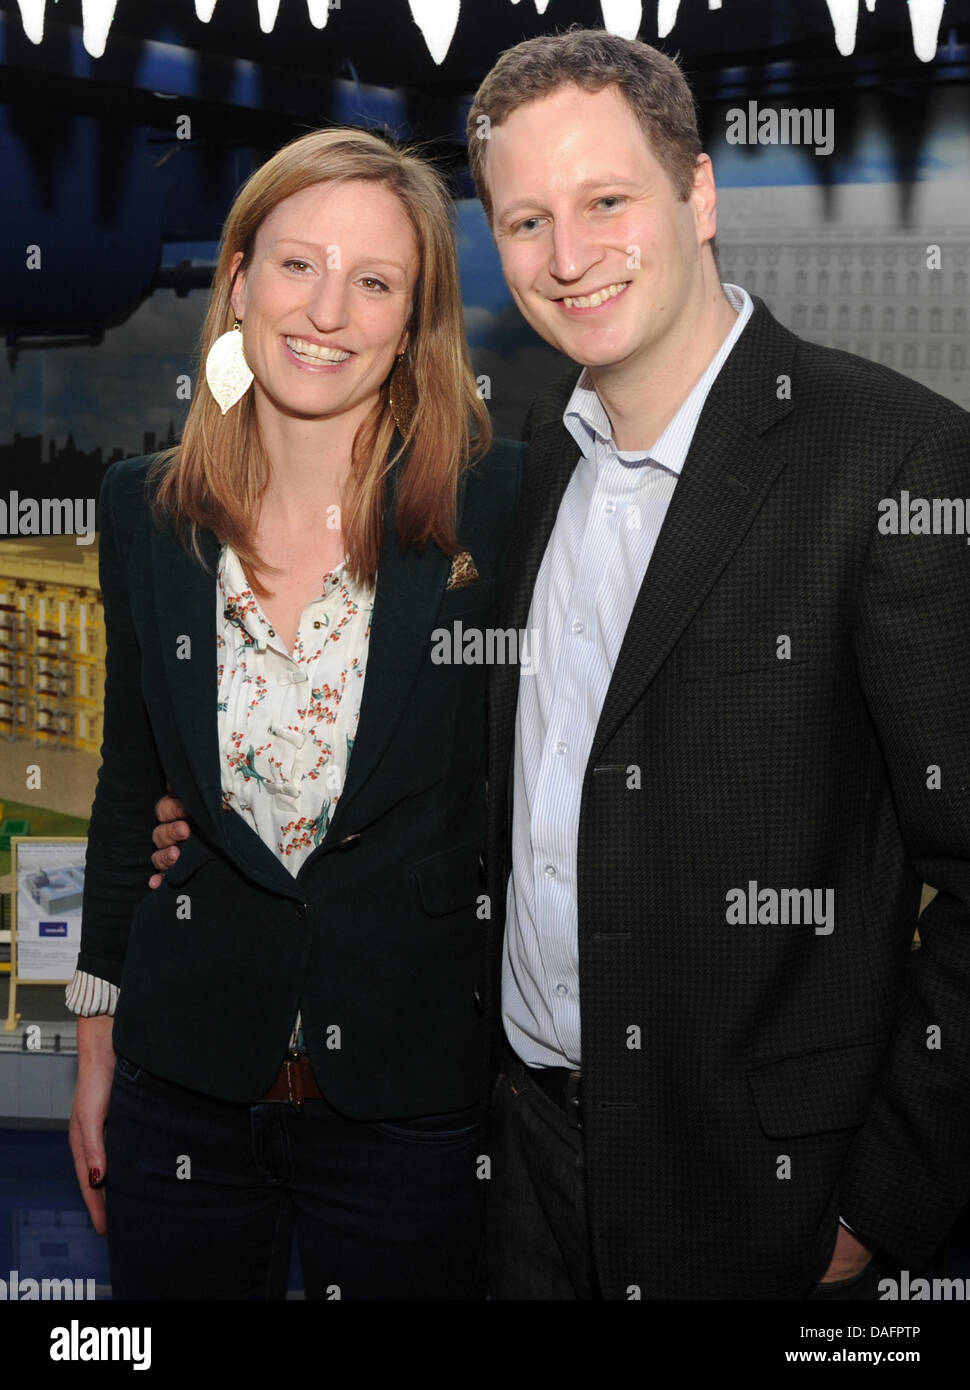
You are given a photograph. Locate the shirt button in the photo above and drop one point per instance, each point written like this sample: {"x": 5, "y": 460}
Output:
{"x": 550, "y": 871}
{"x": 560, "y": 748}
{"x": 318, "y": 623}
{"x": 578, "y": 626}
{"x": 302, "y": 911}
{"x": 271, "y": 632}
{"x": 561, "y": 989}
{"x": 609, "y": 507}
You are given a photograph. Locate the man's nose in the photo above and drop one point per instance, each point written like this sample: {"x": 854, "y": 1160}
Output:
{"x": 573, "y": 253}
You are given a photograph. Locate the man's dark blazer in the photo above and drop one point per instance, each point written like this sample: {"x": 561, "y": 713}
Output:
{"x": 379, "y": 935}
{"x": 779, "y": 1077}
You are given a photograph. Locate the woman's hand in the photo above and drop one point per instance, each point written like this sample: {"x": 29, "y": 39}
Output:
{"x": 173, "y": 827}
{"x": 95, "y": 1069}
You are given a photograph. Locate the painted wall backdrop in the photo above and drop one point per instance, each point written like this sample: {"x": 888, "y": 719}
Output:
{"x": 837, "y": 245}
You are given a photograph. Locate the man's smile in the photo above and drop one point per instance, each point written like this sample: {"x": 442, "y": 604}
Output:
{"x": 585, "y": 302}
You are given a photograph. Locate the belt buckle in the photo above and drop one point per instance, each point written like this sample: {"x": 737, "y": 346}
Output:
{"x": 573, "y": 1099}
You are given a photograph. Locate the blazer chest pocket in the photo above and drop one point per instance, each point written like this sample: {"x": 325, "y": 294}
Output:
{"x": 469, "y": 600}
{"x": 449, "y": 881}
{"x": 707, "y": 652}
{"x": 816, "y": 1091}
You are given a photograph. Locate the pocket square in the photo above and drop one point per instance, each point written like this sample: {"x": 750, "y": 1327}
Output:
{"x": 463, "y": 571}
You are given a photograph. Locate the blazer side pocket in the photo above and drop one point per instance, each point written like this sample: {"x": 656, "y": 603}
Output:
{"x": 449, "y": 881}
{"x": 816, "y": 1091}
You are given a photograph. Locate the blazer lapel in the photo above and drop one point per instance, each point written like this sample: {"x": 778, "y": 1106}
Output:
{"x": 406, "y": 598}
{"x": 186, "y": 607}
{"x": 726, "y": 476}
{"x": 550, "y": 462}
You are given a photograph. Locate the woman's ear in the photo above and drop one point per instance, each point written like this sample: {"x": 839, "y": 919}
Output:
{"x": 237, "y": 281}
{"x": 406, "y": 335}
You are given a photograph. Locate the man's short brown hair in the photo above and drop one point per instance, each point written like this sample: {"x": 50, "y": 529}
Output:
{"x": 652, "y": 84}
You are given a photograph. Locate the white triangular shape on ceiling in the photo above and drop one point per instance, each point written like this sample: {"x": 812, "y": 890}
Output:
{"x": 96, "y": 17}
{"x": 925, "y": 17}
{"x": 624, "y": 17}
{"x": 268, "y": 10}
{"x": 845, "y": 19}
{"x": 666, "y": 16}
{"x": 32, "y": 18}
{"x": 437, "y": 20}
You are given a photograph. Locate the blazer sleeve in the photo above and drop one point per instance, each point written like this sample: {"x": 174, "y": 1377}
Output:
{"x": 130, "y": 779}
{"x": 907, "y": 1174}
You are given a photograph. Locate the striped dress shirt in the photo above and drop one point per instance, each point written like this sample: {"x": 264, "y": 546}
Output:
{"x": 605, "y": 531}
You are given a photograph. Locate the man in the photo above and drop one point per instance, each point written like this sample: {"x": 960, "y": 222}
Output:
{"x": 740, "y": 745}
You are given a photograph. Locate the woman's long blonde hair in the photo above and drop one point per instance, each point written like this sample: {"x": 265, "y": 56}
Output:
{"x": 214, "y": 478}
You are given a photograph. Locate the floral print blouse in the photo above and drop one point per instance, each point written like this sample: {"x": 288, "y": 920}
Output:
{"x": 288, "y": 720}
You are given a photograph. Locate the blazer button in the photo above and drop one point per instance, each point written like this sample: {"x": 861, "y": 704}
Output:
{"x": 349, "y": 841}
{"x": 477, "y": 996}
{"x": 302, "y": 910}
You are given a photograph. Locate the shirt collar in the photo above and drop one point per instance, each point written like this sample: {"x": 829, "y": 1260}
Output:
{"x": 586, "y": 419}
{"x": 239, "y": 604}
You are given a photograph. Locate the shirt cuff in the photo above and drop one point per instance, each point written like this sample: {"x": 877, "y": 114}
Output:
{"x": 88, "y": 995}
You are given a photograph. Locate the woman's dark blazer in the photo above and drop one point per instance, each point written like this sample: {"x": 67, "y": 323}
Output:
{"x": 377, "y": 940}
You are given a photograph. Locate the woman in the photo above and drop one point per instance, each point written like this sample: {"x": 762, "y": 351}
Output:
{"x": 319, "y": 935}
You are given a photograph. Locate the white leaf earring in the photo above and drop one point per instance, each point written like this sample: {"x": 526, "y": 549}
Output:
{"x": 227, "y": 373}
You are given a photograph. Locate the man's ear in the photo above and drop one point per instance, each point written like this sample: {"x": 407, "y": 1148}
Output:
{"x": 237, "y": 281}
{"x": 703, "y": 199}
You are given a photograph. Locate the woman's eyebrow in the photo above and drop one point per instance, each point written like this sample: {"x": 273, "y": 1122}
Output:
{"x": 375, "y": 260}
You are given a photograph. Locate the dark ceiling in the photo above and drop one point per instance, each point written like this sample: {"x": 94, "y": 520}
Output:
{"x": 377, "y": 41}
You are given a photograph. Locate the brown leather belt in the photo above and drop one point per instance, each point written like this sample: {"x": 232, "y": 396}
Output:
{"x": 295, "y": 1083}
